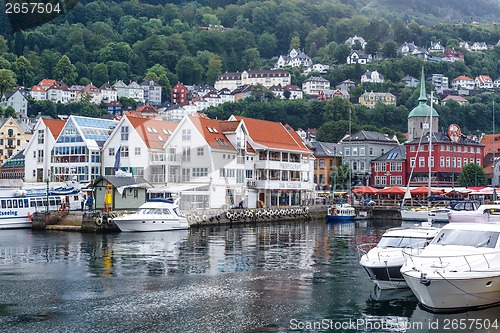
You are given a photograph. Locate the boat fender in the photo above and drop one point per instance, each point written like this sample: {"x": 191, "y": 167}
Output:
{"x": 306, "y": 210}
{"x": 229, "y": 215}
{"x": 211, "y": 218}
{"x": 250, "y": 215}
{"x": 217, "y": 217}
{"x": 204, "y": 218}
{"x": 197, "y": 218}
{"x": 109, "y": 221}
{"x": 190, "y": 218}
{"x": 257, "y": 214}
{"x": 98, "y": 221}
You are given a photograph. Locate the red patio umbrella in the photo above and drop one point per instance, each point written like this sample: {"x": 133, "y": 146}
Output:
{"x": 425, "y": 190}
{"x": 392, "y": 190}
{"x": 365, "y": 190}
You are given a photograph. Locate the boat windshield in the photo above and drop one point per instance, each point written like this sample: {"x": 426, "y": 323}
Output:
{"x": 150, "y": 211}
{"x": 407, "y": 242}
{"x": 476, "y": 238}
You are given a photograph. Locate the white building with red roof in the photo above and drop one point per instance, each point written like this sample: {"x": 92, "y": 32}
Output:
{"x": 37, "y": 151}
{"x": 463, "y": 82}
{"x": 239, "y": 159}
{"x": 136, "y": 146}
{"x": 60, "y": 94}
{"x": 38, "y": 93}
{"x": 484, "y": 82}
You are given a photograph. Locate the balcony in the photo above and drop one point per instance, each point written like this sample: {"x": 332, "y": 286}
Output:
{"x": 279, "y": 165}
{"x": 282, "y": 185}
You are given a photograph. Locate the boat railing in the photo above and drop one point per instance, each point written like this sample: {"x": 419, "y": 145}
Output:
{"x": 364, "y": 248}
{"x": 456, "y": 263}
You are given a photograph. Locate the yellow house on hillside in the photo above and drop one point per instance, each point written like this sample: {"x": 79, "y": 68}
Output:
{"x": 370, "y": 99}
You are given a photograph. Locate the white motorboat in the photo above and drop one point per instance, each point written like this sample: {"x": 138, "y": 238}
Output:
{"x": 383, "y": 262}
{"x": 459, "y": 270}
{"x": 340, "y": 213}
{"x": 484, "y": 213}
{"x": 157, "y": 214}
{"x": 438, "y": 214}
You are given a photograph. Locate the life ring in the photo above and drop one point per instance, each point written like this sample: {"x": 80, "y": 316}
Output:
{"x": 109, "y": 221}
{"x": 98, "y": 221}
{"x": 229, "y": 215}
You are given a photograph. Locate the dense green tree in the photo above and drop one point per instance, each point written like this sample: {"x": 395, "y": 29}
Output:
{"x": 65, "y": 71}
{"x": 100, "y": 74}
{"x": 7, "y": 80}
{"x": 340, "y": 177}
{"x": 189, "y": 70}
{"x": 389, "y": 49}
{"x": 24, "y": 71}
{"x": 9, "y": 111}
{"x": 214, "y": 69}
{"x": 47, "y": 108}
{"x": 251, "y": 59}
{"x": 472, "y": 175}
{"x": 267, "y": 45}
{"x": 4, "y": 47}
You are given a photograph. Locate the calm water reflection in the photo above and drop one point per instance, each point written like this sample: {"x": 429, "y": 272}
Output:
{"x": 263, "y": 278}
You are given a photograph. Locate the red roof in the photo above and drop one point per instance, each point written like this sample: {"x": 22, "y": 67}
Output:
{"x": 55, "y": 126}
{"x": 153, "y": 132}
{"x": 273, "y": 135}
{"x": 212, "y": 130}
{"x": 38, "y": 88}
{"x": 462, "y": 78}
{"x": 47, "y": 82}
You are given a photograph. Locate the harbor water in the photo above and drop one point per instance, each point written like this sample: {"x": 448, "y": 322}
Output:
{"x": 270, "y": 277}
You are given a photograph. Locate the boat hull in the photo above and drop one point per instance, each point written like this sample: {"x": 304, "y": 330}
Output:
{"x": 132, "y": 224}
{"x": 423, "y": 215}
{"x": 16, "y": 222}
{"x": 447, "y": 293}
{"x": 340, "y": 218}
{"x": 385, "y": 278}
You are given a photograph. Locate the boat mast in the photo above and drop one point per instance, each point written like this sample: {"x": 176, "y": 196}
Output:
{"x": 430, "y": 154}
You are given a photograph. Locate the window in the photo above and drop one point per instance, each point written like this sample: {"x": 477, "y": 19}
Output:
{"x": 200, "y": 151}
{"x": 124, "y": 151}
{"x": 412, "y": 162}
{"x": 137, "y": 151}
{"x": 362, "y": 151}
{"x": 413, "y": 148}
{"x": 111, "y": 151}
{"x": 347, "y": 152}
{"x": 41, "y": 136}
{"x": 431, "y": 161}
{"x": 321, "y": 164}
{"x": 383, "y": 167}
{"x": 441, "y": 161}
{"x": 186, "y": 135}
{"x": 377, "y": 167}
{"x": 34, "y": 154}
{"x": 124, "y": 133}
{"x": 448, "y": 160}
{"x": 171, "y": 155}
{"x": 186, "y": 154}
{"x": 354, "y": 151}
{"x": 40, "y": 156}
{"x": 200, "y": 172}
{"x": 185, "y": 175}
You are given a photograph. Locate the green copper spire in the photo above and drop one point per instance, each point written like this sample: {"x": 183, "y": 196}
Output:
{"x": 423, "y": 95}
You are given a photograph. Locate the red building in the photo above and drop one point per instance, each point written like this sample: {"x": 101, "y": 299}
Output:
{"x": 179, "y": 94}
{"x": 390, "y": 168}
{"x": 447, "y": 159}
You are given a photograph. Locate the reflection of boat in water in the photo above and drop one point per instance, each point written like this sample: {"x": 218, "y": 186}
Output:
{"x": 157, "y": 214}
{"x": 383, "y": 261}
{"x": 17, "y": 205}
{"x": 478, "y": 321}
{"x": 459, "y": 270}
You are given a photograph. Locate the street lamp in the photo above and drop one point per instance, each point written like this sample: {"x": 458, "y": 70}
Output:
{"x": 47, "y": 182}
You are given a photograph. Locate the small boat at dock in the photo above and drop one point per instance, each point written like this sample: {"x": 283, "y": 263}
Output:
{"x": 157, "y": 214}
{"x": 340, "y": 213}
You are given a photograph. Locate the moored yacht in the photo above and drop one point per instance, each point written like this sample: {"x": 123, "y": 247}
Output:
{"x": 483, "y": 213}
{"x": 459, "y": 270}
{"x": 383, "y": 261}
{"x": 157, "y": 214}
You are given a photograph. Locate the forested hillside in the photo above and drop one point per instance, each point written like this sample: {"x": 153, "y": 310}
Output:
{"x": 194, "y": 42}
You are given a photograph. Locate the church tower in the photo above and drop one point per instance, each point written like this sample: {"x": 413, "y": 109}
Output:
{"x": 418, "y": 119}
